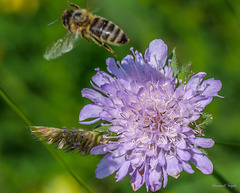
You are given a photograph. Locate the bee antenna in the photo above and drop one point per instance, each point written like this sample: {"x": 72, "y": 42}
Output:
{"x": 54, "y": 22}
{"x": 73, "y": 5}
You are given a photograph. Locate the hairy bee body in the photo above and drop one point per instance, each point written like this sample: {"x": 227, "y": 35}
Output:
{"x": 108, "y": 31}
{"x": 82, "y": 22}
{"x": 99, "y": 29}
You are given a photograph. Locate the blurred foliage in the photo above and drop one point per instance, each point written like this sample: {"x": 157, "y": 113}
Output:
{"x": 207, "y": 32}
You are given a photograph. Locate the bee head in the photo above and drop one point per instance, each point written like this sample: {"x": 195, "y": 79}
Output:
{"x": 78, "y": 15}
{"x": 67, "y": 14}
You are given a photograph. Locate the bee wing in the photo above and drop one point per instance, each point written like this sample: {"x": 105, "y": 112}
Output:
{"x": 92, "y": 5}
{"x": 61, "y": 46}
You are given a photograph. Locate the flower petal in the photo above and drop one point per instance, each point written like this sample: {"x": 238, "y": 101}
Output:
{"x": 165, "y": 177}
{"x": 161, "y": 158}
{"x": 108, "y": 165}
{"x": 211, "y": 87}
{"x": 173, "y": 167}
{"x": 101, "y": 78}
{"x": 89, "y": 111}
{"x": 202, "y": 162}
{"x": 195, "y": 81}
{"x": 183, "y": 154}
{"x": 201, "y": 142}
{"x": 187, "y": 167}
{"x": 155, "y": 179}
{"x": 93, "y": 95}
{"x": 137, "y": 179}
{"x": 156, "y": 54}
{"x": 113, "y": 68}
{"x": 103, "y": 149}
{"x": 123, "y": 171}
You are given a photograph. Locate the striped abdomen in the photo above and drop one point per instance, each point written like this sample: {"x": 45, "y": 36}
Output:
{"x": 108, "y": 31}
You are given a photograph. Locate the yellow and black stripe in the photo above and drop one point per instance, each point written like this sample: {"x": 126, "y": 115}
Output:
{"x": 108, "y": 31}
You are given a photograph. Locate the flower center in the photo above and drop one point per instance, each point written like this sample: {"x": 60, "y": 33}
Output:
{"x": 156, "y": 122}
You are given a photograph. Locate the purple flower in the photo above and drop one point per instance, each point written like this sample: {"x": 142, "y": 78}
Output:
{"x": 151, "y": 113}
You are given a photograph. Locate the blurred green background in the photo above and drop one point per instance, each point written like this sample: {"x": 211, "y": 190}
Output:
{"x": 205, "y": 32}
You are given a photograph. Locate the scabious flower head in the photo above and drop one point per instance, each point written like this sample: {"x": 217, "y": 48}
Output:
{"x": 151, "y": 112}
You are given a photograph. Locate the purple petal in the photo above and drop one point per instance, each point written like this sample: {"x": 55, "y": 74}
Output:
{"x": 156, "y": 54}
{"x": 137, "y": 179}
{"x": 187, "y": 167}
{"x": 112, "y": 66}
{"x": 186, "y": 129}
{"x": 165, "y": 177}
{"x": 179, "y": 92}
{"x": 108, "y": 165}
{"x": 202, "y": 162}
{"x": 109, "y": 89}
{"x": 211, "y": 87}
{"x": 129, "y": 67}
{"x": 121, "y": 151}
{"x": 137, "y": 161}
{"x": 93, "y": 95}
{"x": 168, "y": 72}
{"x": 183, "y": 154}
{"x": 161, "y": 158}
{"x": 89, "y": 111}
{"x": 173, "y": 167}
{"x": 155, "y": 179}
{"x": 102, "y": 149}
{"x": 114, "y": 113}
{"x": 153, "y": 162}
{"x": 202, "y": 142}
{"x": 117, "y": 129}
{"x": 105, "y": 116}
{"x": 189, "y": 94}
{"x": 101, "y": 78}
{"x": 115, "y": 70}
{"x": 195, "y": 81}
{"x": 182, "y": 144}
{"x": 146, "y": 175}
{"x": 200, "y": 105}
{"x": 123, "y": 171}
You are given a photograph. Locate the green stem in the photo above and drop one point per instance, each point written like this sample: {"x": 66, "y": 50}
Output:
{"x": 21, "y": 114}
{"x": 230, "y": 187}
{"x": 15, "y": 108}
{"x": 79, "y": 180}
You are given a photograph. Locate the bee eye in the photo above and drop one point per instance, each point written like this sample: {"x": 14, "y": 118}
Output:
{"x": 77, "y": 16}
{"x": 65, "y": 21}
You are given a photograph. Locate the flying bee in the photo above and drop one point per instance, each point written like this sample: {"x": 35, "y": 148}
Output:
{"x": 82, "y": 22}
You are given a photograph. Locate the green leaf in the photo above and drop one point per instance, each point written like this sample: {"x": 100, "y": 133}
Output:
{"x": 200, "y": 124}
{"x": 185, "y": 73}
{"x": 173, "y": 63}
{"x": 204, "y": 120}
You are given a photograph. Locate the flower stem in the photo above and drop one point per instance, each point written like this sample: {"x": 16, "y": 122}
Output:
{"x": 22, "y": 115}
{"x": 78, "y": 180}
{"x": 14, "y": 107}
{"x": 230, "y": 187}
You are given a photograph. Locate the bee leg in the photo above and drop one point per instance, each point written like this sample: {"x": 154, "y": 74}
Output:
{"x": 84, "y": 35}
{"x": 100, "y": 43}
{"x": 73, "y": 5}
